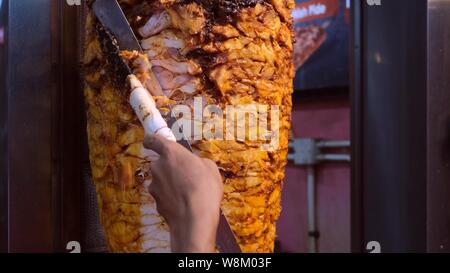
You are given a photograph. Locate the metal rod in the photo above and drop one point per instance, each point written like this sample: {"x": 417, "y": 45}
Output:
{"x": 333, "y": 144}
{"x": 291, "y": 157}
{"x": 311, "y": 200}
{"x": 334, "y": 157}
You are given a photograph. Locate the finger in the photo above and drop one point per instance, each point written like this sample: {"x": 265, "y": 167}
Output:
{"x": 158, "y": 144}
{"x": 156, "y": 194}
{"x": 134, "y": 82}
{"x": 211, "y": 165}
{"x": 151, "y": 190}
{"x": 162, "y": 211}
{"x": 155, "y": 169}
{"x": 154, "y": 191}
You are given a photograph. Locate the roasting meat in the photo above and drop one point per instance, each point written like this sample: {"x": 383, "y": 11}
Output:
{"x": 227, "y": 53}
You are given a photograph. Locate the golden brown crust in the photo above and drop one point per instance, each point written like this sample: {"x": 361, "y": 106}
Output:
{"x": 245, "y": 58}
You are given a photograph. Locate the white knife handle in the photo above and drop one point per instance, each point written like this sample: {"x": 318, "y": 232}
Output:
{"x": 144, "y": 106}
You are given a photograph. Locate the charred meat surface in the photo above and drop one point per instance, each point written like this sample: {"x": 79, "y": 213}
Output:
{"x": 225, "y": 52}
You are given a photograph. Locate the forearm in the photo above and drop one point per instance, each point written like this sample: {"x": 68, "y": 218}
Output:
{"x": 189, "y": 241}
{"x": 195, "y": 235}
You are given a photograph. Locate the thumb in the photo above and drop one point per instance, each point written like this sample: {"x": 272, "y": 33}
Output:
{"x": 157, "y": 143}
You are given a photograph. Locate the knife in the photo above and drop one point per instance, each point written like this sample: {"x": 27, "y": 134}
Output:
{"x": 116, "y": 35}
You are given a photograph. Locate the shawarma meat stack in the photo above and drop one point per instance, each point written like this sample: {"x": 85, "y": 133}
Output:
{"x": 229, "y": 53}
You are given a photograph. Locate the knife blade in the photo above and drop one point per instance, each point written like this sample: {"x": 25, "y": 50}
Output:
{"x": 117, "y": 35}
{"x": 111, "y": 16}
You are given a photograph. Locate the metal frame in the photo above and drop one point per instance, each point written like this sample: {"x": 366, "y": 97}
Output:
{"x": 438, "y": 127}
{"x": 71, "y": 125}
{"x": 308, "y": 152}
{"x": 390, "y": 126}
{"x": 400, "y": 126}
{"x": 356, "y": 78}
{"x": 43, "y": 137}
{"x": 3, "y": 136}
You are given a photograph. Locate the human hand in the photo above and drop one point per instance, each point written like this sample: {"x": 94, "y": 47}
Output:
{"x": 188, "y": 191}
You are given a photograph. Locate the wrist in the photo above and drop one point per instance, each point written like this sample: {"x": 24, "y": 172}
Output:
{"x": 196, "y": 232}
{"x": 193, "y": 239}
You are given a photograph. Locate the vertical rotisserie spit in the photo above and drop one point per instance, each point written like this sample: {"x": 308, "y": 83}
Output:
{"x": 228, "y": 53}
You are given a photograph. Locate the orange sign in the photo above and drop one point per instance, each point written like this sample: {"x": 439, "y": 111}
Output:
{"x": 315, "y": 9}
